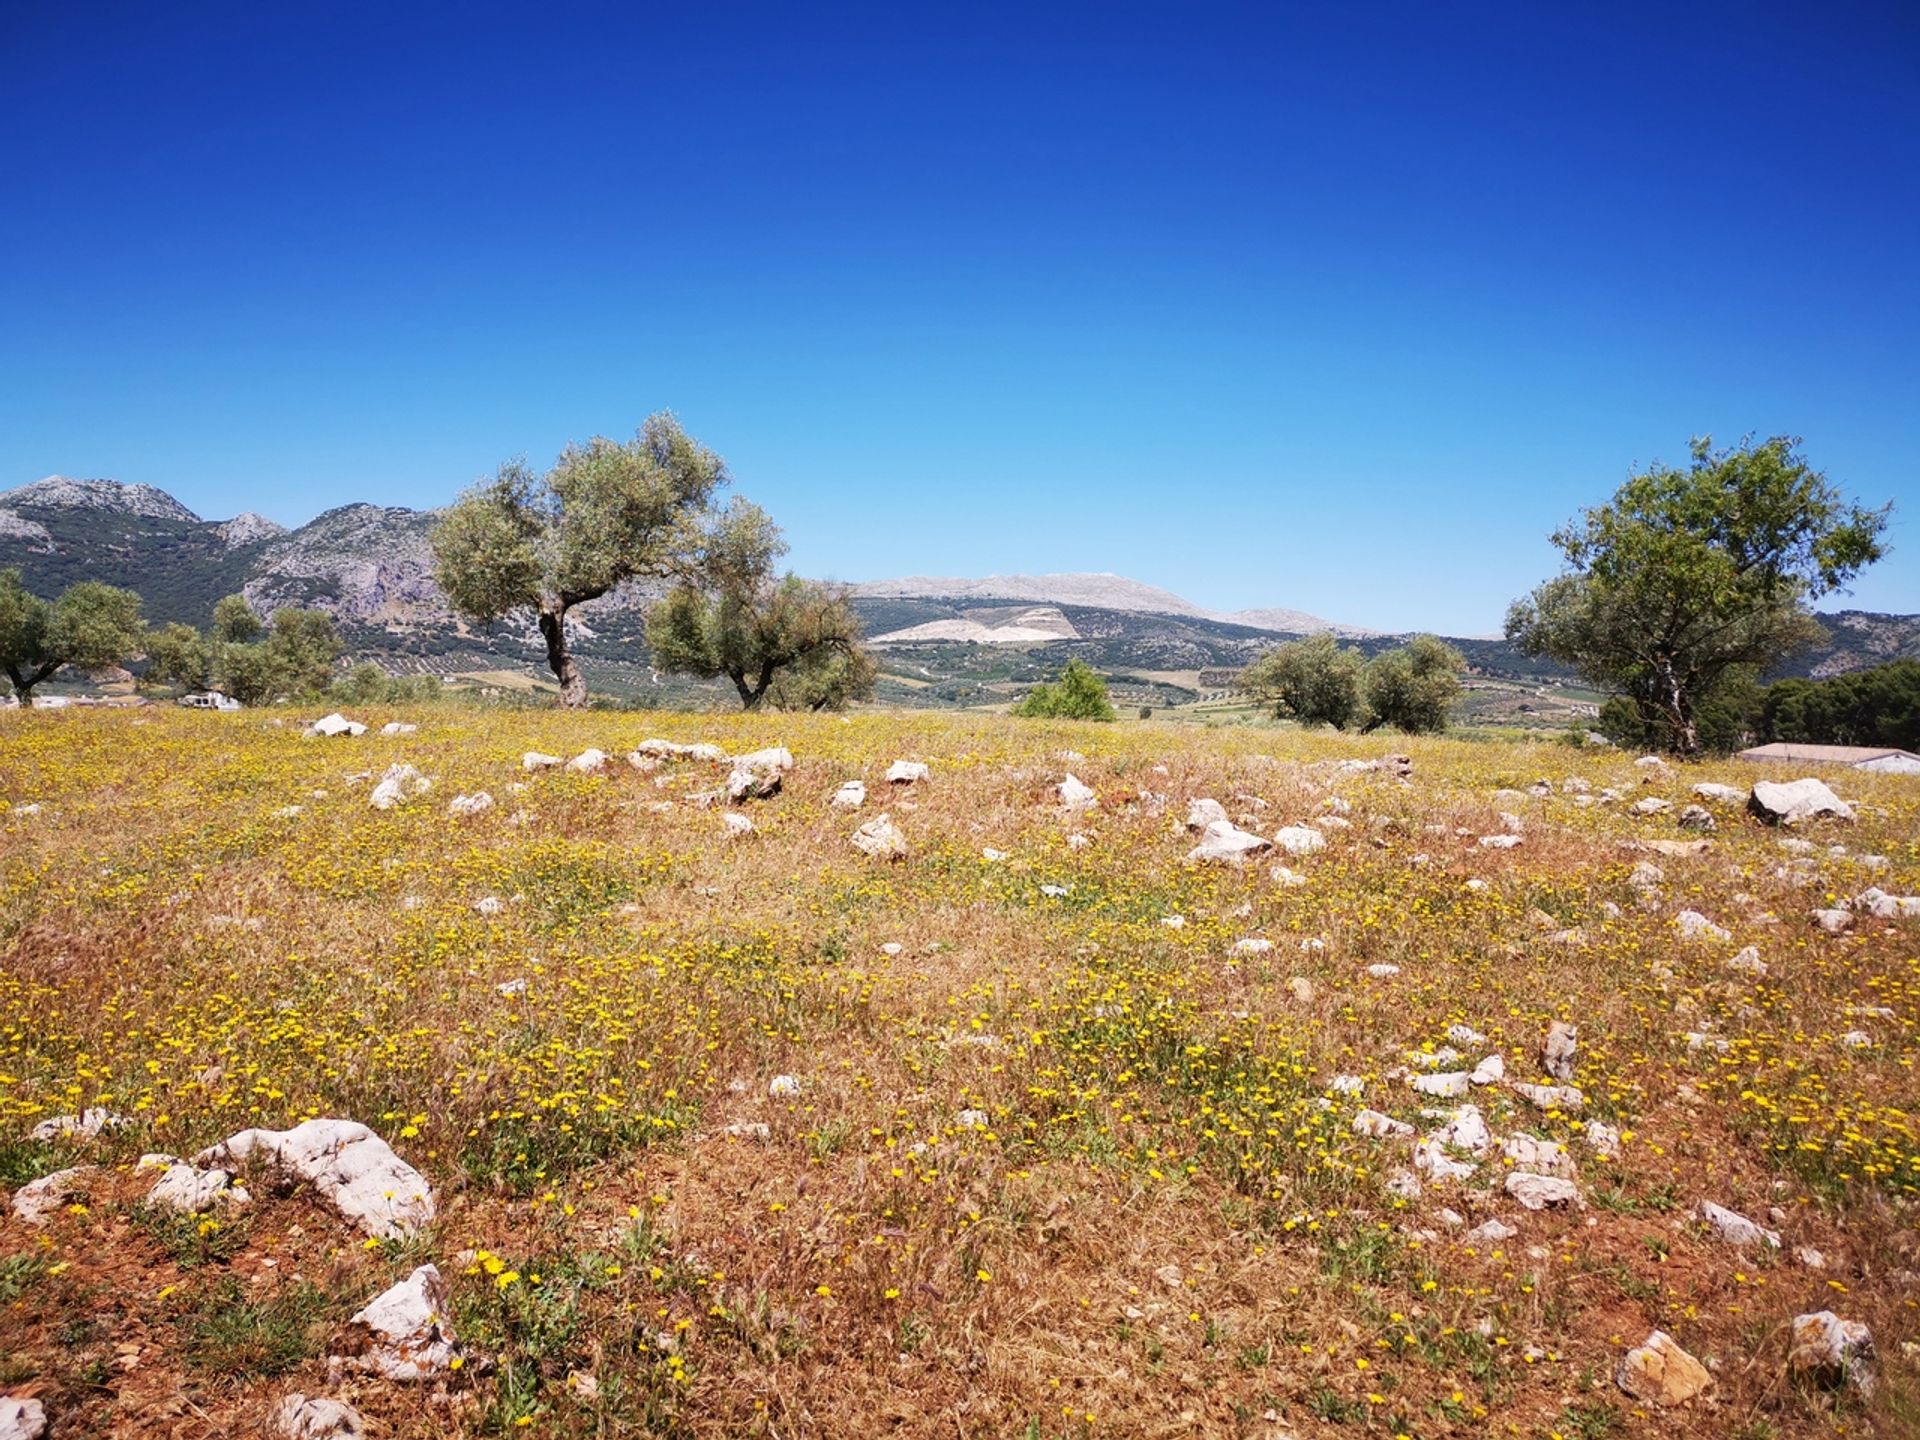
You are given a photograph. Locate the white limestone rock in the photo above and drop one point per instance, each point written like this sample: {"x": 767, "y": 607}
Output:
{"x": 38, "y": 1201}
{"x": 470, "y": 804}
{"x": 907, "y": 772}
{"x": 1223, "y": 842}
{"x": 1793, "y": 802}
{"x": 880, "y": 839}
{"x": 398, "y": 785}
{"x": 1202, "y": 813}
{"x": 22, "y": 1419}
{"x": 1299, "y": 840}
{"x": 405, "y": 1332}
{"x": 850, "y": 796}
{"x": 302, "y": 1417}
{"x": 588, "y": 762}
{"x": 188, "y": 1190}
{"x": 335, "y": 724}
{"x": 345, "y": 1163}
{"x": 1736, "y": 1229}
{"x": 1557, "y": 1050}
{"x": 85, "y": 1126}
{"x": 1833, "y": 1353}
{"x": 1076, "y": 795}
{"x": 1541, "y": 1192}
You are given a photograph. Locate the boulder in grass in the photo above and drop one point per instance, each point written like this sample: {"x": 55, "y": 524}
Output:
{"x": 335, "y": 724}
{"x": 850, "y": 796}
{"x": 539, "y": 760}
{"x": 1299, "y": 840}
{"x": 1557, "y": 1050}
{"x": 304, "y": 1417}
{"x": 22, "y": 1419}
{"x": 1736, "y": 1229}
{"x": 1075, "y": 794}
{"x": 84, "y": 1126}
{"x": 1541, "y": 1192}
{"x": 188, "y": 1190}
{"x": 346, "y": 1164}
{"x": 1202, "y": 813}
{"x": 470, "y": 804}
{"x": 759, "y": 775}
{"x": 38, "y": 1201}
{"x": 398, "y": 785}
{"x": 1793, "y": 802}
{"x": 881, "y": 839}
{"x": 907, "y": 772}
{"x": 398, "y": 727}
{"x": 1833, "y": 1353}
{"x": 1658, "y": 1372}
{"x": 588, "y": 762}
{"x": 405, "y": 1332}
{"x": 1223, "y": 842}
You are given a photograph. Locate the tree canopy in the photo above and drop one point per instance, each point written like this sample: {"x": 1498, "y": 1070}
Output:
{"x": 778, "y": 638}
{"x": 1413, "y": 687}
{"x": 1315, "y": 681}
{"x": 1689, "y": 575}
{"x": 606, "y": 512}
{"x": 89, "y": 626}
{"x": 1079, "y": 694}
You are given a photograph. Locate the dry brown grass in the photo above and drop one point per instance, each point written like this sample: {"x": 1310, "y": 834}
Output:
{"x": 1164, "y": 1230}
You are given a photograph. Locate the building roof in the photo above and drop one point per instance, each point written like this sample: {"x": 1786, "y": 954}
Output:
{"x": 1826, "y": 754}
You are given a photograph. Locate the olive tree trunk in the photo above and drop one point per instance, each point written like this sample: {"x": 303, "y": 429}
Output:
{"x": 553, "y": 629}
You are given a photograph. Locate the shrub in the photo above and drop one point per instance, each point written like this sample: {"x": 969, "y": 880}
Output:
{"x": 1079, "y": 694}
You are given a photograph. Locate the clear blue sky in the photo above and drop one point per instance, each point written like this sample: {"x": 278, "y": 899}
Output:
{"x": 1334, "y": 307}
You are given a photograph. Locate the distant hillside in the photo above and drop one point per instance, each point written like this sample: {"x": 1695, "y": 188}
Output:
{"x": 941, "y": 641}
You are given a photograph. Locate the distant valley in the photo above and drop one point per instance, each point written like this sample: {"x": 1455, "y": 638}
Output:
{"x": 942, "y": 642}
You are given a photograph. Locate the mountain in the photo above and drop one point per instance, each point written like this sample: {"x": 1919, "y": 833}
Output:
{"x": 1099, "y": 591}
{"x": 940, "y": 641}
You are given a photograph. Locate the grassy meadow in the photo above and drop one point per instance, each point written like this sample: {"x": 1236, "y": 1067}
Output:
{"x": 1065, "y": 1158}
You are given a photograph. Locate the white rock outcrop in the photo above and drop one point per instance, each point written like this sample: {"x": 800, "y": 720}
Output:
{"x": 759, "y": 774}
{"x": 405, "y": 1332}
{"x": 1557, "y": 1050}
{"x": 538, "y": 760}
{"x": 84, "y": 1126}
{"x": 470, "y": 804}
{"x": 1832, "y": 1352}
{"x": 1299, "y": 840}
{"x": 22, "y": 1419}
{"x": 1791, "y": 802}
{"x": 398, "y": 785}
{"x": 348, "y": 1166}
{"x": 1541, "y": 1192}
{"x": 189, "y": 1190}
{"x": 304, "y": 1417}
{"x": 850, "y": 796}
{"x": 1202, "y": 813}
{"x": 335, "y": 724}
{"x": 588, "y": 762}
{"x": 1223, "y": 842}
{"x": 38, "y": 1201}
{"x": 907, "y": 772}
{"x": 1736, "y": 1229}
{"x": 1076, "y": 795}
{"x": 881, "y": 839}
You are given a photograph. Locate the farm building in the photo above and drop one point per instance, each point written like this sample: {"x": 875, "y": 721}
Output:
{"x": 1858, "y": 757}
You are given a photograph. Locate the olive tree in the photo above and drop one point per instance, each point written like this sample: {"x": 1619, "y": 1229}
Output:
{"x": 1079, "y": 694}
{"x": 1689, "y": 576}
{"x": 794, "y": 641}
{"x": 178, "y": 654}
{"x": 1412, "y": 688}
{"x": 90, "y": 626}
{"x": 605, "y": 513}
{"x": 1315, "y": 681}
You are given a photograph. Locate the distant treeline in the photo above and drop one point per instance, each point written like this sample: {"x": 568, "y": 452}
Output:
{"x": 1877, "y": 706}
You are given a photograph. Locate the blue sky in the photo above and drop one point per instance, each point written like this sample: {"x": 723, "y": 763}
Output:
{"x": 1334, "y": 307}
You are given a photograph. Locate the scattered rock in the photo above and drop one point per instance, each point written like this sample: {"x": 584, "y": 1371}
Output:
{"x": 1379, "y": 1126}
{"x": 1449, "y": 1085}
{"x": 1536, "y": 1156}
{"x": 336, "y": 724}
{"x": 1540, "y": 1192}
{"x": 1499, "y": 842}
{"x": 784, "y": 1087}
{"x": 907, "y": 772}
{"x": 535, "y": 760}
{"x": 736, "y": 825}
{"x": 1833, "y": 921}
{"x": 1659, "y": 1372}
{"x": 588, "y": 762}
{"x": 1735, "y": 1229}
{"x": 300, "y": 1417}
{"x": 1692, "y": 925}
{"x": 881, "y": 839}
{"x": 84, "y": 1126}
{"x": 405, "y": 1332}
{"x": 1697, "y": 817}
{"x": 850, "y": 796}
{"x": 1603, "y": 1140}
{"x": 1075, "y": 795}
{"x": 398, "y": 785}
{"x": 668, "y": 750}
{"x": 38, "y": 1201}
{"x": 189, "y": 1190}
{"x": 1832, "y": 1353}
{"x": 470, "y": 804}
{"x": 1224, "y": 842}
{"x": 398, "y": 727}
{"x": 348, "y": 1166}
{"x": 1301, "y": 989}
{"x": 1551, "y": 1097}
{"x": 22, "y": 1419}
{"x": 1721, "y": 794}
{"x": 1202, "y": 813}
{"x": 1300, "y": 840}
{"x": 759, "y": 775}
{"x": 1490, "y": 1071}
{"x": 1882, "y": 906}
{"x": 1652, "y": 805}
{"x": 1748, "y": 962}
{"x": 1794, "y": 801}
{"x": 1557, "y": 1050}
{"x": 1493, "y": 1232}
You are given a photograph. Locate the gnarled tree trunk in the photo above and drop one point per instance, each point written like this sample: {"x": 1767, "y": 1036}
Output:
{"x": 553, "y": 629}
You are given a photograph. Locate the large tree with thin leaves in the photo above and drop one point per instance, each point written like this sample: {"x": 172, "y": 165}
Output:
{"x": 1688, "y": 576}
{"x": 780, "y": 638}
{"x": 606, "y": 513}
{"x": 90, "y": 626}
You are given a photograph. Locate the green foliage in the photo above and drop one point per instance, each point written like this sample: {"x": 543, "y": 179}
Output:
{"x": 177, "y": 655}
{"x": 792, "y": 640}
{"x": 1724, "y": 718}
{"x": 605, "y": 513}
{"x": 235, "y": 622}
{"x": 1879, "y": 706}
{"x": 295, "y": 657}
{"x": 303, "y": 645}
{"x": 1687, "y": 574}
{"x": 90, "y": 626}
{"x": 1079, "y": 694}
{"x": 368, "y": 684}
{"x": 1315, "y": 681}
{"x": 1412, "y": 688}
{"x": 227, "y": 1332}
